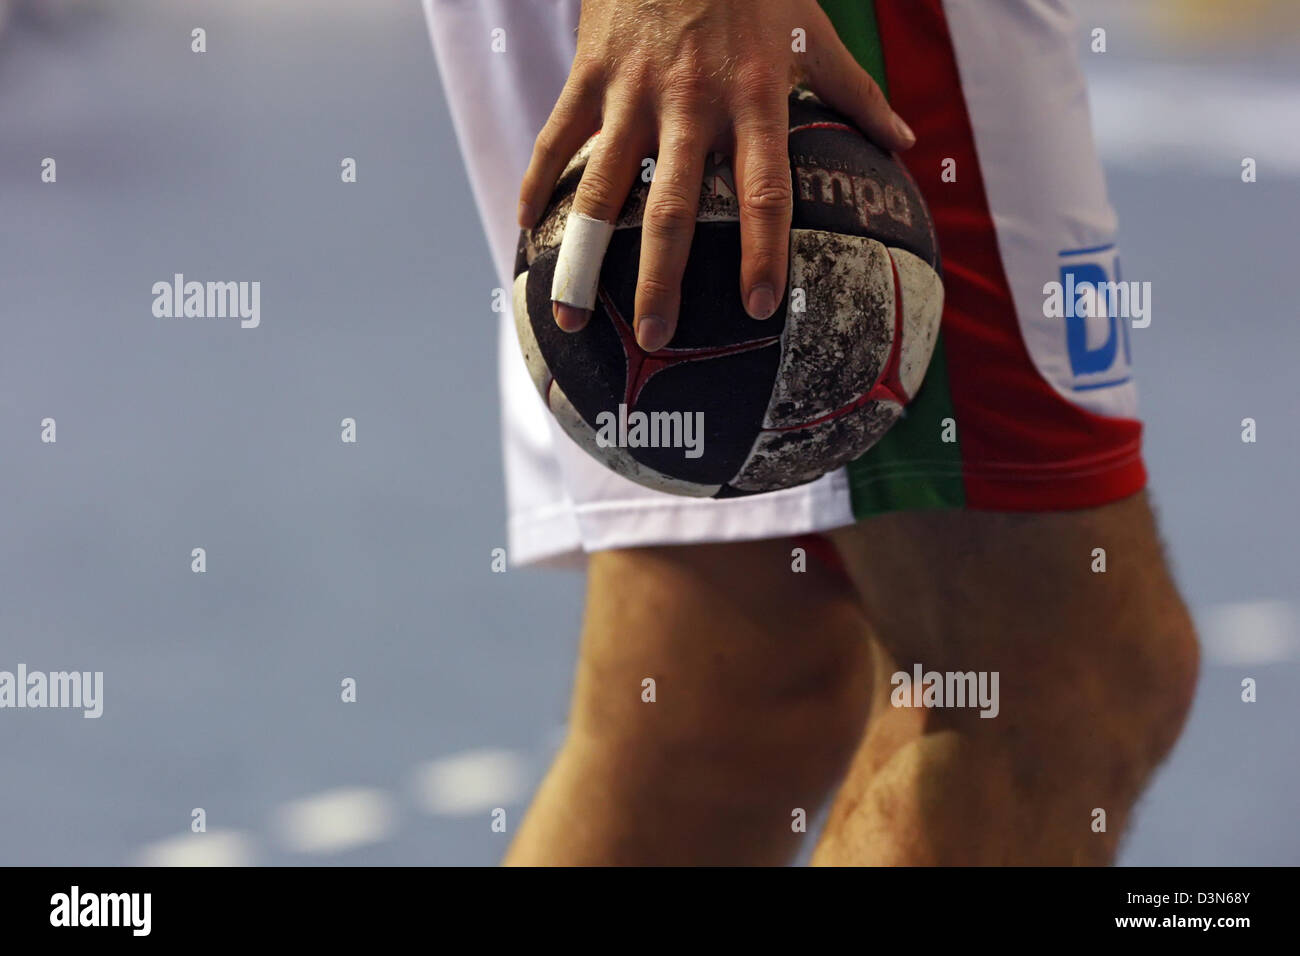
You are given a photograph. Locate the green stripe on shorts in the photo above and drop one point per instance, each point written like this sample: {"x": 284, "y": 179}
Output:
{"x": 912, "y": 466}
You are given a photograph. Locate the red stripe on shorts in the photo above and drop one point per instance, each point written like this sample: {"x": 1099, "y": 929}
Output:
{"x": 1023, "y": 445}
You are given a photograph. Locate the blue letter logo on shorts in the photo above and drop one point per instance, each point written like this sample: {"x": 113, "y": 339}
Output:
{"x": 1097, "y": 345}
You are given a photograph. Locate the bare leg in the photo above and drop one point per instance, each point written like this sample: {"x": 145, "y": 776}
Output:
{"x": 1097, "y": 672}
{"x": 762, "y": 689}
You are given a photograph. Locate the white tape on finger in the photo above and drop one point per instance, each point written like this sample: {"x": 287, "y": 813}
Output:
{"x": 577, "y": 267}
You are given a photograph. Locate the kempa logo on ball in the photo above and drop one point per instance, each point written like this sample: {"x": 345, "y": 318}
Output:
{"x": 865, "y": 195}
{"x": 651, "y": 430}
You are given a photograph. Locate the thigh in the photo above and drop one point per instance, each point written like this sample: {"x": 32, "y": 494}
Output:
{"x": 718, "y": 693}
{"x": 729, "y": 634}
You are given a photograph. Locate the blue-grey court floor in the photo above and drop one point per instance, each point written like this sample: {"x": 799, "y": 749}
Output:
{"x": 371, "y": 561}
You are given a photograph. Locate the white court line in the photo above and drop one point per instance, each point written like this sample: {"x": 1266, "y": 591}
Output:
{"x": 471, "y": 782}
{"x": 213, "y": 848}
{"x": 336, "y": 820}
{"x": 1240, "y": 633}
{"x": 1250, "y": 632}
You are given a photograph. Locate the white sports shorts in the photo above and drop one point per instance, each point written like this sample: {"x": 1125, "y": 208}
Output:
{"x": 1021, "y": 410}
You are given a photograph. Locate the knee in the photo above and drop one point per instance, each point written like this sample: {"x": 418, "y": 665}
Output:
{"x": 1118, "y": 702}
{"x": 1160, "y": 674}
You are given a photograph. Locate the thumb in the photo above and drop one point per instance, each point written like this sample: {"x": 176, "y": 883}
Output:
{"x": 842, "y": 84}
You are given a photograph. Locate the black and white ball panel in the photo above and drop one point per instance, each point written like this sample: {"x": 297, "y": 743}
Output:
{"x": 820, "y": 417}
{"x": 783, "y": 400}
{"x": 722, "y": 367}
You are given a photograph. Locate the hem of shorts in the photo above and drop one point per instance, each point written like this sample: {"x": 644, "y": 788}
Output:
{"x": 646, "y": 522}
{"x": 546, "y": 537}
{"x": 564, "y": 535}
{"x": 1060, "y": 491}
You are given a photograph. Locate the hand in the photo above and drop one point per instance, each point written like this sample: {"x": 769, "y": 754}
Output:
{"x": 685, "y": 78}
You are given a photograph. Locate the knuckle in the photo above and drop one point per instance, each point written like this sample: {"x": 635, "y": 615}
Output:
{"x": 596, "y": 195}
{"x": 653, "y": 289}
{"x": 759, "y": 82}
{"x": 586, "y": 76}
{"x": 670, "y": 214}
{"x": 638, "y": 60}
{"x": 688, "y": 86}
{"x": 767, "y": 196}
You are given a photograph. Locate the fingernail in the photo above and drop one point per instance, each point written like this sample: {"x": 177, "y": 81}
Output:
{"x": 525, "y": 214}
{"x": 651, "y": 333}
{"x": 905, "y": 131}
{"x": 569, "y": 317}
{"x": 762, "y": 301}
